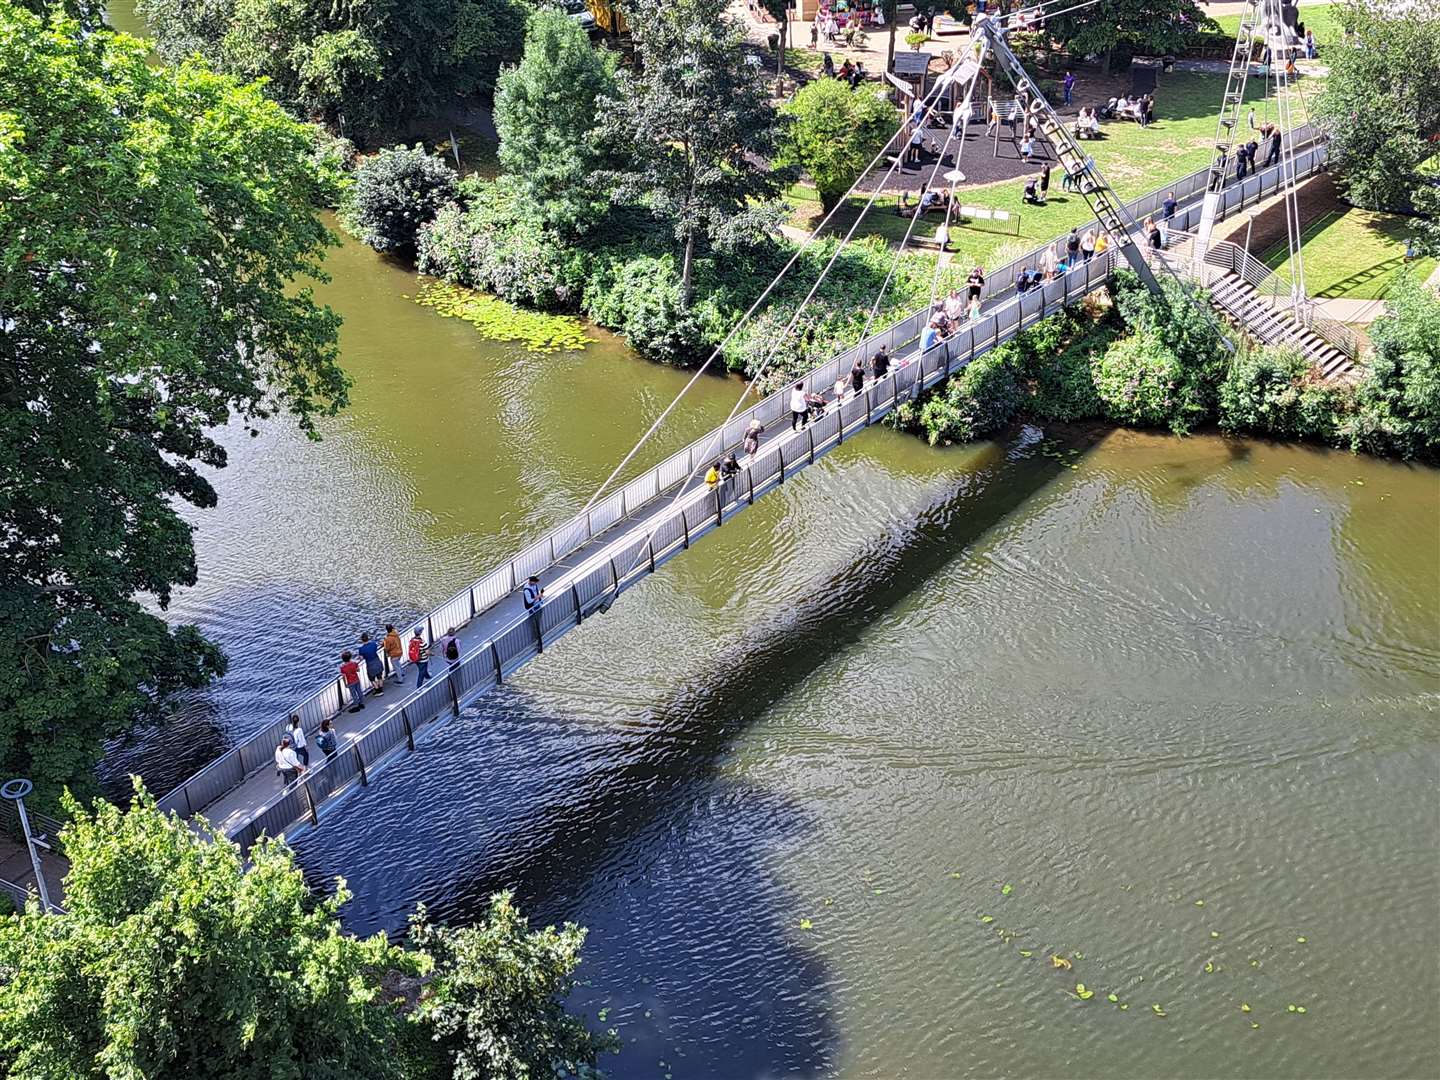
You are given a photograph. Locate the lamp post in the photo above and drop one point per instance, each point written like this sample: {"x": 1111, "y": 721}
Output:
{"x": 15, "y": 791}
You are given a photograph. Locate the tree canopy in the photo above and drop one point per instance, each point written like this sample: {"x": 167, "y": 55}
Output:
{"x": 834, "y": 133}
{"x": 696, "y": 126}
{"x": 1379, "y": 105}
{"x": 546, "y": 113}
{"x": 1133, "y": 26}
{"x": 155, "y": 224}
{"x": 396, "y": 192}
{"x": 366, "y": 66}
{"x": 1400, "y": 395}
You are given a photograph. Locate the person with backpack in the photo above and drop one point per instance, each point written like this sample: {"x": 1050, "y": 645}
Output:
{"x": 450, "y": 647}
{"x": 374, "y": 671}
{"x": 393, "y": 651}
{"x": 325, "y": 739}
{"x": 297, "y": 739}
{"x": 350, "y": 674}
{"x": 420, "y": 657}
{"x": 287, "y": 765}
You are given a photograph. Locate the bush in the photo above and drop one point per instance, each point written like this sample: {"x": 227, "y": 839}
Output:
{"x": 640, "y": 297}
{"x": 1142, "y": 383}
{"x": 334, "y": 158}
{"x": 1398, "y": 400}
{"x": 1278, "y": 392}
{"x": 396, "y": 193}
{"x": 833, "y": 133}
{"x": 981, "y": 400}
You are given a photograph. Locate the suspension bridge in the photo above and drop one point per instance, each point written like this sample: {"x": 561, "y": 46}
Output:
{"x": 626, "y": 533}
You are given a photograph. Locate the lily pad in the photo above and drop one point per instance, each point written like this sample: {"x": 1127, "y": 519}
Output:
{"x": 604, "y": 1014}
{"x": 1209, "y": 967}
{"x": 1244, "y": 1007}
{"x": 987, "y": 919}
{"x": 1289, "y": 1008}
{"x": 1199, "y": 903}
{"x": 1214, "y": 933}
{"x": 1300, "y": 940}
{"x": 1006, "y": 890}
{"x": 1123, "y": 1006}
{"x": 1112, "y": 998}
{"x": 1300, "y": 1009}
{"x": 1157, "y": 1010}
{"x": 501, "y": 321}
{"x": 806, "y": 924}
{"x": 1026, "y": 953}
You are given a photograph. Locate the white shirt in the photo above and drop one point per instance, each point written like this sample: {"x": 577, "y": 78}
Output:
{"x": 797, "y": 401}
{"x": 285, "y": 758}
{"x": 297, "y": 737}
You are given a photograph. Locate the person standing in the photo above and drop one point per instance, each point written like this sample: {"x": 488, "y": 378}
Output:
{"x": 857, "y": 375}
{"x": 394, "y": 650}
{"x": 1087, "y": 245}
{"x": 1069, "y": 85}
{"x": 799, "y": 407}
{"x": 913, "y": 152}
{"x": 297, "y": 739}
{"x": 953, "y": 306}
{"x": 350, "y": 673}
{"x": 325, "y": 739}
{"x": 533, "y": 595}
{"x": 420, "y": 657}
{"x": 450, "y": 647}
{"x": 1276, "y": 138}
{"x": 1044, "y": 182}
{"x": 1311, "y": 52}
{"x": 287, "y": 765}
{"x": 976, "y": 282}
{"x": 752, "y": 437}
{"x": 1072, "y": 247}
{"x": 374, "y": 671}
{"x": 880, "y": 363}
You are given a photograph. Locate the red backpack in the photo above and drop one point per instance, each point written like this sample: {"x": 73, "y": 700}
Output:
{"x": 414, "y": 650}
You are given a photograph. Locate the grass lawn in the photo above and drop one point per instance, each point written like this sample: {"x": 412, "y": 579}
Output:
{"x": 1319, "y": 18}
{"x": 1134, "y": 159}
{"x": 1352, "y": 253}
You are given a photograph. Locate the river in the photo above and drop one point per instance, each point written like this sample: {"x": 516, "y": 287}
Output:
{"x": 831, "y": 789}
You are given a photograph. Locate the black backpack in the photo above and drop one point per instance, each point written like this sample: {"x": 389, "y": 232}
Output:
{"x": 452, "y": 650}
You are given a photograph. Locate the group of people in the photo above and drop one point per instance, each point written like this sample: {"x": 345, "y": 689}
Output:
{"x": 1087, "y": 123}
{"x": 1075, "y": 250}
{"x": 805, "y": 405}
{"x": 1037, "y": 187}
{"x": 1141, "y": 109}
{"x": 953, "y": 311}
{"x": 851, "y": 72}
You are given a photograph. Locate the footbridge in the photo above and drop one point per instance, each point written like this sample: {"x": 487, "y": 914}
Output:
{"x": 585, "y": 563}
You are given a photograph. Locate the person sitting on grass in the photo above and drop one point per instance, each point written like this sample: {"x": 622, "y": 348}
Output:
{"x": 1032, "y": 191}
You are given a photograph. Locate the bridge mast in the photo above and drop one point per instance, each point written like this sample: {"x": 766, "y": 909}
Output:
{"x": 1228, "y": 125}
{"x": 1108, "y": 209}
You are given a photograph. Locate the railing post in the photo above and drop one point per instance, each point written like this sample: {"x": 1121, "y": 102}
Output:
{"x": 810, "y": 431}
{"x": 495, "y": 656}
{"x": 310, "y": 803}
{"x": 575, "y": 591}
{"x": 430, "y": 622}
{"x": 685, "y": 522}
{"x": 454, "y": 697}
{"x": 650, "y": 545}
{"x": 615, "y": 574}
{"x": 409, "y": 732}
{"x": 750, "y": 477}
{"x": 589, "y": 528}
{"x": 360, "y": 760}
{"x": 471, "y": 591}
{"x": 719, "y": 518}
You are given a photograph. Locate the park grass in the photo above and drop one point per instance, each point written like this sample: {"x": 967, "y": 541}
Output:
{"x": 804, "y": 60}
{"x": 1321, "y": 18}
{"x": 1135, "y": 160}
{"x": 1352, "y": 253}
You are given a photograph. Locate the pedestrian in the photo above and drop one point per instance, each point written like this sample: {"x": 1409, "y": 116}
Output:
{"x": 1069, "y": 85}
{"x": 297, "y": 739}
{"x": 829, "y": 66}
{"x": 1273, "y": 157}
{"x": 729, "y": 469}
{"x": 1032, "y": 191}
{"x": 1022, "y": 280}
{"x": 288, "y": 765}
{"x": 1170, "y": 205}
{"x": 420, "y": 657}
{"x": 1072, "y": 246}
{"x": 880, "y": 363}
{"x": 325, "y": 739}
{"x": 1240, "y": 164}
{"x": 1044, "y": 182}
{"x": 799, "y": 407}
{"x": 394, "y": 650}
{"x": 942, "y": 235}
{"x": 450, "y": 647}
{"x": 1152, "y": 234}
{"x": 973, "y": 312}
{"x": 350, "y": 674}
{"x": 1027, "y": 148}
{"x": 914, "y": 152}
{"x": 752, "y": 437}
{"x": 533, "y": 594}
{"x": 976, "y": 282}
{"x": 953, "y": 306}
{"x": 1087, "y": 245}
{"x": 931, "y": 334}
{"x": 1311, "y": 51}
{"x": 374, "y": 670}
{"x": 814, "y": 33}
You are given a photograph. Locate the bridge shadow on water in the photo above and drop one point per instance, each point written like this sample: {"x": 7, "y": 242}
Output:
{"x": 632, "y": 829}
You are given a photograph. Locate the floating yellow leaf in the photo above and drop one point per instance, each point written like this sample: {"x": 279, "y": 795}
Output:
{"x": 1244, "y": 1007}
{"x": 1157, "y": 1010}
{"x": 1301, "y": 940}
{"x": 1006, "y": 890}
{"x": 1058, "y": 961}
{"x": 1026, "y": 953}
{"x": 1214, "y": 933}
{"x": 1082, "y": 993}
{"x": 987, "y": 919}
{"x": 1199, "y": 903}
{"x": 806, "y": 924}
{"x": 1209, "y": 967}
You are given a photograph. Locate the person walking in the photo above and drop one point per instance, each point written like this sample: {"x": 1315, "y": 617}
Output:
{"x": 1044, "y": 182}
{"x": 288, "y": 765}
{"x": 1273, "y": 157}
{"x": 374, "y": 671}
{"x": 450, "y": 647}
{"x": 857, "y": 376}
{"x": 799, "y": 407}
{"x": 350, "y": 674}
{"x": 1087, "y": 245}
{"x": 297, "y": 739}
{"x": 1072, "y": 247}
{"x": 880, "y": 363}
{"x": 1311, "y": 52}
{"x": 914, "y": 152}
{"x": 394, "y": 650}
{"x": 420, "y": 657}
{"x": 325, "y": 739}
{"x": 752, "y": 437}
{"x": 1069, "y": 85}
{"x": 976, "y": 282}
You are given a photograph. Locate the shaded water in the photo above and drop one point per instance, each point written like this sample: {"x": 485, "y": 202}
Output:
{"x": 1120, "y": 673}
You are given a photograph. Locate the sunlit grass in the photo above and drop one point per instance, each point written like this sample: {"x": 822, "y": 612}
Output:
{"x": 1351, "y": 253}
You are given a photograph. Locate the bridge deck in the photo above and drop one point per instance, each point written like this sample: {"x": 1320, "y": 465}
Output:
{"x": 241, "y": 794}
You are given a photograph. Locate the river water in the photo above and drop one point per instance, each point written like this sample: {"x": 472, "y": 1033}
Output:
{"x": 831, "y": 789}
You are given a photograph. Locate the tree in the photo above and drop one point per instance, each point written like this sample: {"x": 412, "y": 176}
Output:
{"x": 153, "y": 225}
{"x": 1155, "y": 27}
{"x": 176, "y": 959}
{"x": 696, "y": 127}
{"x": 834, "y": 133}
{"x": 396, "y": 192}
{"x": 1379, "y": 105}
{"x": 364, "y": 65}
{"x": 546, "y": 112}
{"x": 495, "y": 1002}
{"x": 1399, "y": 398}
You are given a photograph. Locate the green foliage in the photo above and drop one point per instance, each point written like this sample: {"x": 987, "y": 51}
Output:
{"x": 695, "y": 126}
{"x": 546, "y": 111}
{"x": 1128, "y": 27}
{"x": 1143, "y": 383}
{"x": 982, "y": 399}
{"x": 153, "y": 225}
{"x": 88, "y": 13}
{"x": 1398, "y": 400}
{"x": 366, "y": 66}
{"x": 834, "y": 133}
{"x": 1273, "y": 391}
{"x": 495, "y": 1004}
{"x": 175, "y": 959}
{"x": 396, "y": 193}
{"x": 1379, "y": 104}
{"x": 501, "y": 321}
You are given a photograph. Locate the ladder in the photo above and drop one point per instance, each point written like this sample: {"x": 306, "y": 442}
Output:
{"x": 1228, "y": 125}
{"x": 1108, "y": 209}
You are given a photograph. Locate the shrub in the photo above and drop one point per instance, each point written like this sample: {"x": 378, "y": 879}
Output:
{"x": 1398, "y": 400}
{"x": 1278, "y": 392}
{"x": 334, "y": 157}
{"x": 396, "y": 193}
{"x": 834, "y": 132}
{"x": 1142, "y": 383}
{"x": 982, "y": 399}
{"x": 640, "y": 297}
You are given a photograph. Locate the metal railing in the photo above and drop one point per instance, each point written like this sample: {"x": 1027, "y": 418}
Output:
{"x": 257, "y": 750}
{"x": 639, "y": 551}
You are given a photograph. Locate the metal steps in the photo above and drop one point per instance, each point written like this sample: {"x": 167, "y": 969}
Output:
{"x": 1236, "y": 298}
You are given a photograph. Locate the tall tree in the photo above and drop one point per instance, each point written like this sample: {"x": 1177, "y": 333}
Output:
{"x": 1399, "y": 397}
{"x": 1136, "y": 26}
{"x": 834, "y": 132}
{"x": 547, "y": 111}
{"x": 1379, "y": 104}
{"x": 154, "y": 223}
{"x": 697, "y": 127}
